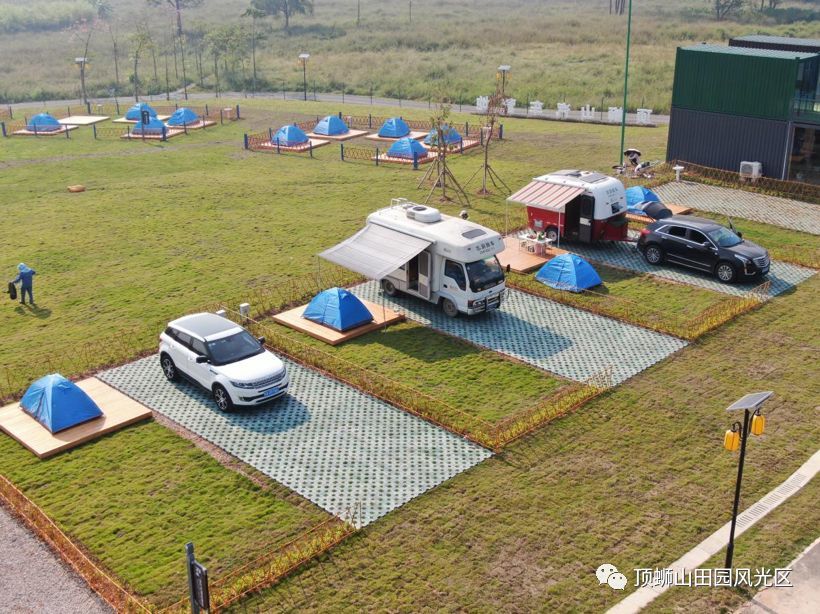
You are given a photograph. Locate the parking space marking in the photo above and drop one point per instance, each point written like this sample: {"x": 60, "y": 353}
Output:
{"x": 566, "y": 341}
{"x": 331, "y": 443}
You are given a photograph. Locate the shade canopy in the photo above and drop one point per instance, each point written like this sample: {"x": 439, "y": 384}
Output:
{"x": 43, "y": 122}
{"x": 375, "y": 251}
{"x": 135, "y": 112}
{"x": 183, "y": 116}
{"x": 153, "y": 127}
{"x": 290, "y": 135}
{"x": 544, "y": 195}
{"x": 394, "y": 128}
{"x": 450, "y": 134}
{"x": 339, "y": 309}
{"x": 406, "y": 147}
{"x": 331, "y": 125}
{"x": 58, "y": 403}
{"x": 568, "y": 272}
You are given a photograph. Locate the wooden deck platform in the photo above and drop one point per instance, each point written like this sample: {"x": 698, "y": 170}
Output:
{"x": 382, "y": 317}
{"x": 83, "y": 120}
{"x": 303, "y": 148}
{"x": 414, "y": 134}
{"x": 122, "y": 120}
{"x": 169, "y": 134}
{"x": 643, "y": 219}
{"x": 522, "y": 261}
{"x": 383, "y": 157}
{"x": 456, "y": 149}
{"x": 61, "y": 131}
{"x": 350, "y": 134}
{"x": 202, "y": 123}
{"x": 118, "y": 411}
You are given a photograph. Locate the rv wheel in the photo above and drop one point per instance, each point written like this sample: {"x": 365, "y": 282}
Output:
{"x": 449, "y": 308}
{"x": 552, "y": 234}
{"x": 389, "y": 288}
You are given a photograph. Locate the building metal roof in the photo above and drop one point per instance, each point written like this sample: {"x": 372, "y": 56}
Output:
{"x": 749, "y": 51}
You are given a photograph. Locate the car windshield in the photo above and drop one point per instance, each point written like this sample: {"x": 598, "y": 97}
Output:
{"x": 724, "y": 237}
{"x": 484, "y": 274}
{"x": 233, "y": 348}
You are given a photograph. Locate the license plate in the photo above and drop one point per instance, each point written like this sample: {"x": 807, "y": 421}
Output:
{"x": 270, "y": 393}
{"x": 491, "y": 306}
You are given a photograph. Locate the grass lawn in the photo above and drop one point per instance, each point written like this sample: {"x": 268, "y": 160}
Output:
{"x": 134, "y": 498}
{"x": 635, "y": 479}
{"x": 477, "y": 381}
{"x": 645, "y": 300}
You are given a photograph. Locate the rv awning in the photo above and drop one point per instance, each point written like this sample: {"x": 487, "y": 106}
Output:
{"x": 375, "y": 251}
{"x": 545, "y": 195}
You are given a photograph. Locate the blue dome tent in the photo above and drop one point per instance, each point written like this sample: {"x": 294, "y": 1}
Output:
{"x": 394, "y": 128}
{"x": 451, "y": 136}
{"x": 135, "y": 113}
{"x": 405, "y": 147}
{"x": 332, "y": 125}
{"x": 43, "y": 122}
{"x": 639, "y": 194}
{"x": 153, "y": 127}
{"x": 58, "y": 403}
{"x": 568, "y": 272}
{"x": 290, "y": 135}
{"x": 338, "y": 309}
{"x": 183, "y": 116}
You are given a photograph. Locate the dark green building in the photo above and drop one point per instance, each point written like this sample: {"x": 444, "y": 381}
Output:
{"x": 734, "y": 104}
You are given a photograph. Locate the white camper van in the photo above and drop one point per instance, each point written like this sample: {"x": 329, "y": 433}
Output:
{"x": 416, "y": 249}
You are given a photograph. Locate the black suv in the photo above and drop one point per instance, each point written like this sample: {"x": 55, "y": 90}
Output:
{"x": 703, "y": 245}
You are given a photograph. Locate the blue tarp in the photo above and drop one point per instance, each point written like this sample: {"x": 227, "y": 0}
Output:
{"x": 290, "y": 135}
{"x": 405, "y": 147}
{"x": 639, "y": 194}
{"x": 43, "y": 122}
{"x": 338, "y": 309}
{"x": 568, "y": 272}
{"x": 331, "y": 125}
{"x": 394, "y": 128}
{"x": 451, "y": 136}
{"x": 58, "y": 404}
{"x": 135, "y": 112}
{"x": 153, "y": 127}
{"x": 183, "y": 116}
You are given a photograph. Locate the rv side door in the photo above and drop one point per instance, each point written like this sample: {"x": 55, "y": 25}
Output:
{"x": 424, "y": 274}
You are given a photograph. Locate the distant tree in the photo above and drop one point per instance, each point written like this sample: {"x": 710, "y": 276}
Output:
{"x": 254, "y": 13}
{"x": 140, "y": 42}
{"x": 82, "y": 31}
{"x": 725, "y": 8}
{"x": 285, "y": 8}
{"x": 178, "y": 5}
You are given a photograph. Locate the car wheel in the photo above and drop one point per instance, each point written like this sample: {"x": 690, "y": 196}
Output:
{"x": 389, "y": 287}
{"x": 725, "y": 272}
{"x": 552, "y": 234}
{"x": 222, "y": 398}
{"x": 449, "y": 308}
{"x": 168, "y": 368}
{"x": 653, "y": 254}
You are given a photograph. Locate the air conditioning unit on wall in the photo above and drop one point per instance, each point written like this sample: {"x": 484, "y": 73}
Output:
{"x": 751, "y": 171}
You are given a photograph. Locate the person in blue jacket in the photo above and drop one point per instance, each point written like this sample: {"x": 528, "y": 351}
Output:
{"x": 25, "y": 277}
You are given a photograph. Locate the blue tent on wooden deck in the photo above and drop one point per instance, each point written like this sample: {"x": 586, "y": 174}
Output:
{"x": 639, "y": 194}
{"x": 289, "y": 136}
{"x": 451, "y": 136}
{"x": 43, "y": 122}
{"x": 153, "y": 127}
{"x": 58, "y": 403}
{"x": 406, "y": 147}
{"x": 568, "y": 272}
{"x": 339, "y": 309}
{"x": 135, "y": 113}
{"x": 394, "y": 128}
{"x": 183, "y": 116}
{"x": 332, "y": 125}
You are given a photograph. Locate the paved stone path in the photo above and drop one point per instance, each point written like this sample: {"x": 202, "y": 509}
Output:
{"x": 569, "y": 342}
{"x": 718, "y": 540}
{"x": 34, "y": 580}
{"x": 783, "y": 276}
{"x": 332, "y": 444}
{"x": 783, "y": 212}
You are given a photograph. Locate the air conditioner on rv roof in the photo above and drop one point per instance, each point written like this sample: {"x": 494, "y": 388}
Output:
{"x": 751, "y": 170}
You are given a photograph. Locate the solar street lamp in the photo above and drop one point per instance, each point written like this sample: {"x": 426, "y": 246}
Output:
{"x": 81, "y": 62}
{"x": 503, "y": 70}
{"x": 303, "y": 57}
{"x": 736, "y": 437}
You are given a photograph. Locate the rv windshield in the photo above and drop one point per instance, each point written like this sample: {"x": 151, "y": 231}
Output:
{"x": 484, "y": 274}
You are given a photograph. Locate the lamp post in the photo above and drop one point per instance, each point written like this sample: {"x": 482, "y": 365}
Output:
{"x": 736, "y": 437}
{"x": 81, "y": 62}
{"x": 303, "y": 57}
{"x": 626, "y": 82}
{"x": 503, "y": 69}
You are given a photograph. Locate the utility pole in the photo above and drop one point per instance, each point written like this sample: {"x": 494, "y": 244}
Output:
{"x": 181, "y": 50}
{"x": 626, "y": 83}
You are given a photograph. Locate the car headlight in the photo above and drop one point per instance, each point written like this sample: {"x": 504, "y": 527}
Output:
{"x": 240, "y": 384}
{"x": 743, "y": 259}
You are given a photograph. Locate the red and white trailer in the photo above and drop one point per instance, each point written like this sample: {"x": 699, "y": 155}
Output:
{"x": 575, "y": 205}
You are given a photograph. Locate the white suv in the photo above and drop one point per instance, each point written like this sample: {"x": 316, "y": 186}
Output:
{"x": 224, "y": 358}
